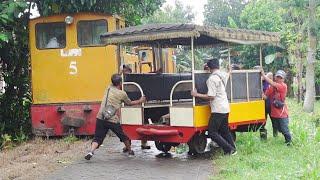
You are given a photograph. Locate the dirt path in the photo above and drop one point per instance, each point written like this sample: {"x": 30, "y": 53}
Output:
{"x": 37, "y": 158}
{"x": 110, "y": 163}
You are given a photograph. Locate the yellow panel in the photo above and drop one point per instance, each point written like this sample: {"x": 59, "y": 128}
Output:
{"x": 131, "y": 60}
{"x": 201, "y": 115}
{"x": 145, "y": 67}
{"x": 53, "y": 76}
{"x": 239, "y": 112}
{"x": 247, "y": 111}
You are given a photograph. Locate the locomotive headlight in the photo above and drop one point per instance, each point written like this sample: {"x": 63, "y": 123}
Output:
{"x": 68, "y": 20}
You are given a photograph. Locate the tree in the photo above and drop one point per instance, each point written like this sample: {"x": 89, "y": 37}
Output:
{"x": 262, "y": 15}
{"x": 175, "y": 14}
{"x": 223, "y": 12}
{"x": 308, "y": 104}
{"x": 290, "y": 18}
{"x": 294, "y": 38}
{"x": 171, "y": 14}
{"x": 15, "y": 102}
{"x": 131, "y": 10}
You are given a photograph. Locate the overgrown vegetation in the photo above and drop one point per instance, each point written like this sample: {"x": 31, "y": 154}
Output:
{"x": 272, "y": 159}
{"x": 15, "y": 102}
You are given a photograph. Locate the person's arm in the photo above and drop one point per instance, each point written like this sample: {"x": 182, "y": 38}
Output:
{"x": 139, "y": 101}
{"x": 211, "y": 91}
{"x": 128, "y": 101}
{"x": 194, "y": 93}
{"x": 270, "y": 81}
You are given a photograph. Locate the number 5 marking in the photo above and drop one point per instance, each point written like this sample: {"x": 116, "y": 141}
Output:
{"x": 73, "y": 68}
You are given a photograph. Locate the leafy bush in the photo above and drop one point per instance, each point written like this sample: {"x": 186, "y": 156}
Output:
{"x": 6, "y": 141}
{"x": 20, "y": 137}
{"x": 14, "y": 63}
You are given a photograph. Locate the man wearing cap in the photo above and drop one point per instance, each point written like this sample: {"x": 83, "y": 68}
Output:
{"x": 277, "y": 92}
{"x": 218, "y": 129}
{"x": 114, "y": 96}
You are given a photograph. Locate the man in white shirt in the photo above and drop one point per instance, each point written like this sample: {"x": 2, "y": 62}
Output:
{"x": 218, "y": 129}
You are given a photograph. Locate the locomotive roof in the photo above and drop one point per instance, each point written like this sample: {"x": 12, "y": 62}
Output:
{"x": 180, "y": 34}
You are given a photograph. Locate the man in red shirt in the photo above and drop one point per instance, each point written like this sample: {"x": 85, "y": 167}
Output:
{"x": 277, "y": 92}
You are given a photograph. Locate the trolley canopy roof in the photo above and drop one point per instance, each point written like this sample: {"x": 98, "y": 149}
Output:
{"x": 167, "y": 35}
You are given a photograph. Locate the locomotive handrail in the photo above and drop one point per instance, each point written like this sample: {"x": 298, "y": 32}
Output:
{"x": 175, "y": 85}
{"x": 138, "y": 86}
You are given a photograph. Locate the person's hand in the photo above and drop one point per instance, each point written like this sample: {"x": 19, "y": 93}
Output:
{"x": 143, "y": 99}
{"x": 194, "y": 93}
{"x": 264, "y": 96}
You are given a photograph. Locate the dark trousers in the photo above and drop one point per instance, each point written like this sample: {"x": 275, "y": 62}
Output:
{"x": 268, "y": 112}
{"x": 275, "y": 127}
{"x": 219, "y": 132}
{"x": 102, "y": 128}
{"x": 282, "y": 125}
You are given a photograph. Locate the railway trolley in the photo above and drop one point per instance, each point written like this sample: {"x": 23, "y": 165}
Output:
{"x": 171, "y": 116}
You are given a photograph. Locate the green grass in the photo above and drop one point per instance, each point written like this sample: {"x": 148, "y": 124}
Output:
{"x": 272, "y": 159}
{"x": 70, "y": 139}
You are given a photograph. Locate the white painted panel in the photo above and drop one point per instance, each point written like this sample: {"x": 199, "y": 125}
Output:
{"x": 181, "y": 116}
{"x": 131, "y": 115}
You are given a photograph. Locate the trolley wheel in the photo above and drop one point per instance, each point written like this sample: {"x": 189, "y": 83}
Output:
{"x": 197, "y": 144}
{"x": 234, "y": 135}
{"x": 162, "y": 146}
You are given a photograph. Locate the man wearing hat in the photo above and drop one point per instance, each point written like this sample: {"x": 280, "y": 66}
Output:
{"x": 277, "y": 92}
{"x": 218, "y": 129}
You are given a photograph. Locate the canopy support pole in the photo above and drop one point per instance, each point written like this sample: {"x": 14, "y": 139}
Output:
{"x": 192, "y": 70}
{"x": 261, "y": 84}
{"x": 260, "y": 55}
{"x": 230, "y": 74}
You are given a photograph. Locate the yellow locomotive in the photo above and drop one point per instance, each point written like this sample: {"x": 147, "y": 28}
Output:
{"x": 71, "y": 68}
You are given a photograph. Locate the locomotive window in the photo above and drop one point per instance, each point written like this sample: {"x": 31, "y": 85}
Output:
{"x": 51, "y": 35}
{"x": 89, "y": 32}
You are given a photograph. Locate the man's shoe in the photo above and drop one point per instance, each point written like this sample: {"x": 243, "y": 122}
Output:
{"x": 88, "y": 156}
{"x": 231, "y": 153}
{"x": 125, "y": 150}
{"x": 288, "y": 143}
{"x": 131, "y": 152}
{"x": 145, "y": 147}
